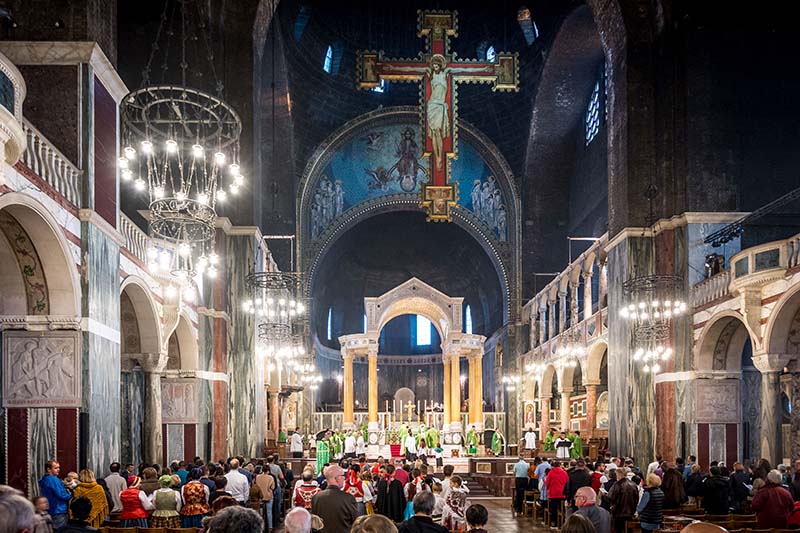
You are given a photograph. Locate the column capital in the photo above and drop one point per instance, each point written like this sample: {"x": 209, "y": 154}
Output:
{"x": 475, "y": 356}
{"x": 372, "y": 353}
{"x": 586, "y": 274}
{"x": 770, "y": 362}
{"x": 592, "y": 383}
{"x": 566, "y": 391}
{"x": 152, "y": 362}
{"x": 546, "y": 396}
{"x": 347, "y": 354}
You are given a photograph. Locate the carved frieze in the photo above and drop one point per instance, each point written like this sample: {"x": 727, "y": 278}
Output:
{"x": 41, "y": 369}
{"x": 717, "y": 401}
{"x": 179, "y": 401}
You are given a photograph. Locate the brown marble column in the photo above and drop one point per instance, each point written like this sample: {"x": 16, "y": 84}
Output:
{"x": 152, "y": 436}
{"x": 372, "y": 360}
{"x": 544, "y": 425}
{"x": 455, "y": 389}
{"x": 274, "y": 412}
{"x": 446, "y": 393}
{"x": 475, "y": 390}
{"x": 347, "y": 403}
{"x": 591, "y": 408}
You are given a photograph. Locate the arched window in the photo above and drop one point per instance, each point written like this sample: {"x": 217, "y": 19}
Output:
{"x": 300, "y": 22}
{"x": 491, "y": 55}
{"x": 468, "y": 320}
{"x": 423, "y": 331}
{"x": 527, "y": 24}
{"x": 330, "y": 323}
{"x": 328, "y": 64}
{"x": 593, "y": 114}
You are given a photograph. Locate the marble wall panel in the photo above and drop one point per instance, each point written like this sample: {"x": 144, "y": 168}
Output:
{"x": 242, "y": 431}
{"x": 717, "y": 445}
{"x": 131, "y": 416}
{"x": 632, "y": 417}
{"x": 42, "y": 437}
{"x": 751, "y": 413}
{"x": 179, "y": 401}
{"x": 686, "y": 441}
{"x": 717, "y": 401}
{"x": 173, "y": 441}
{"x": 794, "y": 398}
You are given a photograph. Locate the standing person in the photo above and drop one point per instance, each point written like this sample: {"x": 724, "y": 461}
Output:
{"x": 520, "y": 483}
{"x": 350, "y": 446}
{"x": 391, "y": 501}
{"x": 135, "y": 505}
{"x": 357, "y": 489}
{"x": 266, "y": 483}
{"x": 237, "y": 483}
{"x": 541, "y": 473}
{"x": 586, "y": 502}
{"x": 578, "y": 477}
{"x": 623, "y": 499}
{"x": 56, "y": 493}
{"x": 296, "y": 446}
{"x": 687, "y": 470}
{"x": 336, "y": 507}
{"x": 167, "y": 503}
{"x": 477, "y": 516}
{"x": 455, "y": 507}
{"x": 549, "y": 440}
{"x": 195, "y": 500}
{"x": 741, "y": 482}
{"x": 556, "y": 482}
{"x": 772, "y": 503}
{"x": 361, "y": 445}
{"x": 45, "y": 522}
{"x": 149, "y": 480}
{"x": 280, "y": 482}
{"x": 411, "y": 448}
{"x": 672, "y": 487}
{"x": 716, "y": 493}
{"x": 651, "y": 505}
{"x": 576, "y": 450}
{"x": 530, "y": 441}
{"x": 694, "y": 483}
{"x": 422, "y": 520}
{"x": 116, "y": 484}
{"x": 651, "y": 468}
{"x": 79, "y": 510}
{"x": 562, "y": 445}
{"x": 89, "y": 488}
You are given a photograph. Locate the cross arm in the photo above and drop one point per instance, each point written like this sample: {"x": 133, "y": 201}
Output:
{"x": 371, "y": 67}
{"x": 503, "y": 72}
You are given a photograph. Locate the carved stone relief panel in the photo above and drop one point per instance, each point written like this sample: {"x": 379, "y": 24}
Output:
{"x": 179, "y": 401}
{"x": 41, "y": 369}
{"x": 717, "y": 401}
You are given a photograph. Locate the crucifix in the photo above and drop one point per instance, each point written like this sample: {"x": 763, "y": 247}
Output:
{"x": 409, "y": 407}
{"x": 438, "y": 71}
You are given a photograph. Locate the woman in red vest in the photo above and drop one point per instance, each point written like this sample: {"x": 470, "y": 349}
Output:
{"x": 135, "y": 505}
{"x": 358, "y": 489}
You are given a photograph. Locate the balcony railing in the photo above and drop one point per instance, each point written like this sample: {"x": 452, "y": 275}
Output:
{"x": 711, "y": 289}
{"x": 136, "y": 241}
{"x": 51, "y": 165}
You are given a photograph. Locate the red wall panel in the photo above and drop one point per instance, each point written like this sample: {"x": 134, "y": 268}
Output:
{"x": 67, "y": 439}
{"x": 17, "y": 459}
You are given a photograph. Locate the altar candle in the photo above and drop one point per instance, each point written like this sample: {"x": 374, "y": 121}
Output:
{"x": 418, "y": 409}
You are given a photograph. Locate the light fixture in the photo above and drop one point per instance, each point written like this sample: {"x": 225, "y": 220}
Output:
{"x": 167, "y": 128}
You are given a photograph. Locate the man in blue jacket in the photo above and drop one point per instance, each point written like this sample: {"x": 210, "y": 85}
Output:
{"x": 52, "y": 488}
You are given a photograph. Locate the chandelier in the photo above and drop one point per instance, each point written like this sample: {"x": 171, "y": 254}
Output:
{"x": 511, "y": 382}
{"x": 652, "y": 305}
{"x": 180, "y": 146}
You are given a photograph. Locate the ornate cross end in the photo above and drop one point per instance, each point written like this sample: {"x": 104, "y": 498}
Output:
{"x": 437, "y": 200}
{"x": 507, "y": 71}
{"x": 367, "y": 75}
{"x": 437, "y": 24}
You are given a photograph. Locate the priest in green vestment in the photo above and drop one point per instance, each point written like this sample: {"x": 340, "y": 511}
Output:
{"x": 472, "y": 440}
{"x": 576, "y": 452}
{"x": 549, "y": 439}
{"x": 323, "y": 453}
{"x": 403, "y": 433}
{"x": 498, "y": 442}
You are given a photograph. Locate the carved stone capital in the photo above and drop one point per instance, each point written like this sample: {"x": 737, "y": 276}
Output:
{"x": 770, "y": 362}
{"x": 152, "y": 363}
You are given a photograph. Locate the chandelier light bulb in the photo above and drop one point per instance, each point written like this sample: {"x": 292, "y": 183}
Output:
{"x": 158, "y": 192}
{"x": 184, "y": 249}
{"x": 301, "y": 308}
{"x": 213, "y": 258}
{"x": 270, "y": 301}
{"x": 221, "y": 195}
{"x": 656, "y": 368}
{"x": 234, "y": 189}
{"x": 646, "y": 369}
{"x": 171, "y": 146}
{"x": 281, "y": 302}
{"x": 234, "y": 169}
{"x": 238, "y": 180}
{"x": 202, "y": 198}
{"x": 219, "y": 158}
{"x": 212, "y": 272}
{"x": 180, "y": 196}
{"x": 197, "y": 150}
{"x": 147, "y": 147}
{"x": 130, "y": 153}
{"x": 122, "y": 162}
{"x": 126, "y": 174}
{"x": 139, "y": 184}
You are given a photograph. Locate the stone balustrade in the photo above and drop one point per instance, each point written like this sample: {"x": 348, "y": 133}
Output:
{"x": 51, "y": 165}
{"x": 136, "y": 240}
{"x": 571, "y": 297}
{"x": 710, "y": 289}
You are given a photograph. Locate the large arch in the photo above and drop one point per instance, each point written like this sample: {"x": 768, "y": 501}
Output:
{"x": 313, "y": 248}
{"x": 721, "y": 342}
{"x": 58, "y": 264}
{"x": 783, "y": 329}
{"x": 146, "y": 313}
{"x": 594, "y": 361}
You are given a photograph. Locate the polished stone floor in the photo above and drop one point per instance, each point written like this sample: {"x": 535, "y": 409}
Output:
{"x": 502, "y": 520}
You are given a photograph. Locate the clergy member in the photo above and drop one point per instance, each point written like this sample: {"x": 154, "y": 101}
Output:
{"x": 576, "y": 452}
{"x": 296, "y": 446}
{"x": 530, "y": 440}
{"x": 549, "y": 439}
{"x": 411, "y": 447}
{"x": 562, "y": 445}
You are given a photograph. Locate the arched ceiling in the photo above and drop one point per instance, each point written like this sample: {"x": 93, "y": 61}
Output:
{"x": 386, "y": 250}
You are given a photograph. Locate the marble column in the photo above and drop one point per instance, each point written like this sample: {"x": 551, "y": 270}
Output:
{"x": 562, "y": 310}
{"x": 455, "y": 390}
{"x": 471, "y": 381}
{"x": 476, "y": 390}
{"x": 565, "y": 405}
{"x": 573, "y": 304}
{"x": 771, "y": 431}
{"x": 542, "y": 322}
{"x": 551, "y": 319}
{"x": 587, "y": 295}
{"x": 602, "y": 283}
{"x": 349, "y": 422}
{"x": 274, "y": 412}
{"x": 544, "y": 408}
{"x": 591, "y": 408}
{"x": 446, "y": 419}
{"x": 372, "y": 360}
{"x": 153, "y": 438}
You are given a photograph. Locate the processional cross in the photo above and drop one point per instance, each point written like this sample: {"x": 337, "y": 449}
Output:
{"x": 438, "y": 71}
